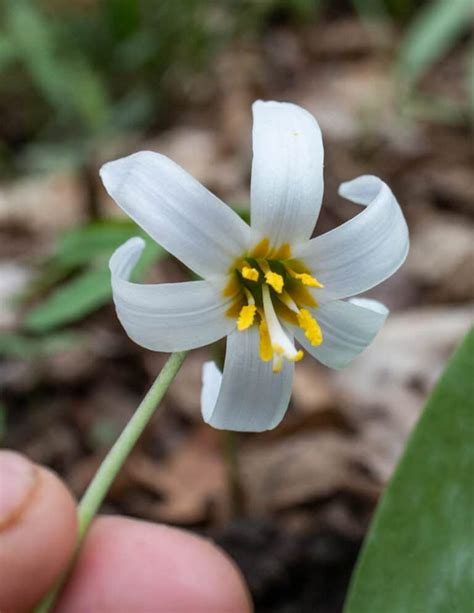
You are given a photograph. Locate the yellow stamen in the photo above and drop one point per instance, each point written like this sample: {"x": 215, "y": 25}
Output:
{"x": 265, "y": 350}
{"x": 249, "y": 273}
{"x": 305, "y": 278}
{"x": 273, "y": 279}
{"x": 246, "y": 317}
{"x": 311, "y": 328}
{"x": 297, "y": 357}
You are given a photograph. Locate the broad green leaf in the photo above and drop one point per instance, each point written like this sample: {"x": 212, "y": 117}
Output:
{"x": 93, "y": 241}
{"x": 436, "y": 28}
{"x": 86, "y": 292}
{"x": 71, "y": 301}
{"x": 419, "y": 554}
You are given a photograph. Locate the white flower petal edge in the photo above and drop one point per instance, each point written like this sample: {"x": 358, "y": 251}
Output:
{"x": 365, "y": 250}
{"x": 177, "y": 211}
{"x": 348, "y": 327}
{"x": 168, "y": 316}
{"x": 287, "y": 172}
{"x": 248, "y": 397}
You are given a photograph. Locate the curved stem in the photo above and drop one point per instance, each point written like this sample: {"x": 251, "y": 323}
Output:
{"x": 113, "y": 462}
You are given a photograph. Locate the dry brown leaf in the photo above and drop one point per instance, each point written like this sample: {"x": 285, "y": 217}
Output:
{"x": 302, "y": 468}
{"x": 45, "y": 203}
{"x": 191, "y": 481}
{"x": 442, "y": 257}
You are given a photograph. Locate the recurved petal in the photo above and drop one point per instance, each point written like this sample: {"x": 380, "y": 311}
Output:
{"x": 167, "y": 316}
{"x": 177, "y": 211}
{"x": 287, "y": 172}
{"x": 348, "y": 328}
{"x": 248, "y": 396}
{"x": 365, "y": 250}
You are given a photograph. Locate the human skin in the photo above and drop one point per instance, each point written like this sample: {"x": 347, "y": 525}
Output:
{"x": 125, "y": 565}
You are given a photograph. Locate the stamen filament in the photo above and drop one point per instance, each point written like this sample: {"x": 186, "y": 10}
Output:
{"x": 265, "y": 348}
{"x": 281, "y": 344}
{"x": 288, "y": 302}
{"x": 250, "y": 298}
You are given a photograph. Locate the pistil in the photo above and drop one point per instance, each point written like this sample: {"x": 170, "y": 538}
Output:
{"x": 280, "y": 342}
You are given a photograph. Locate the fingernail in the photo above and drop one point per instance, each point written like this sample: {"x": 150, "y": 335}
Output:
{"x": 17, "y": 481}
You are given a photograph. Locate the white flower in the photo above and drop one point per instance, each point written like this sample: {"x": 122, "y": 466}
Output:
{"x": 262, "y": 285}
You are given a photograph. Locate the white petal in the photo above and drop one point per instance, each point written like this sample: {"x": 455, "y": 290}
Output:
{"x": 167, "y": 316}
{"x": 177, "y": 211}
{"x": 348, "y": 328}
{"x": 248, "y": 397}
{"x": 287, "y": 172}
{"x": 365, "y": 250}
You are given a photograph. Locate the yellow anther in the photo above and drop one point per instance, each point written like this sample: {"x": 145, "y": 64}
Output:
{"x": 305, "y": 278}
{"x": 265, "y": 349}
{"x": 274, "y": 280}
{"x": 297, "y": 357}
{"x": 249, "y": 273}
{"x": 311, "y": 328}
{"x": 246, "y": 317}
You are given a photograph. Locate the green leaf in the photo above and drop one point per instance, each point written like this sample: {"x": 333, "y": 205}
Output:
{"x": 91, "y": 289}
{"x": 433, "y": 32}
{"x": 7, "y": 52}
{"x": 97, "y": 240}
{"x": 72, "y": 301}
{"x": 419, "y": 556}
{"x": 64, "y": 77}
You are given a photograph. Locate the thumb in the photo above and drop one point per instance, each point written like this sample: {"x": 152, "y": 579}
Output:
{"x": 37, "y": 531}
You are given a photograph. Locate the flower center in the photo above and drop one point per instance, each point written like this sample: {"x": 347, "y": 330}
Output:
{"x": 268, "y": 286}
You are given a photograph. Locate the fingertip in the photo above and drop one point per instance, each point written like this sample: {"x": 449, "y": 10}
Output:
{"x": 132, "y": 565}
{"x": 38, "y": 529}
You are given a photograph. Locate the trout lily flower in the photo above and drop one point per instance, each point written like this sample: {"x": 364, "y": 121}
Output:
{"x": 263, "y": 285}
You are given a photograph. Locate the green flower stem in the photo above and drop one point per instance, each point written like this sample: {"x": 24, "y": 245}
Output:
{"x": 113, "y": 462}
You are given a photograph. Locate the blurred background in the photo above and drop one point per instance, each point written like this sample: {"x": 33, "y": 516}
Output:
{"x": 82, "y": 82}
